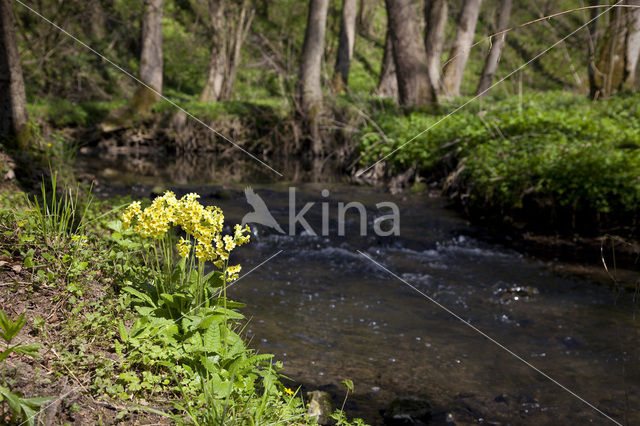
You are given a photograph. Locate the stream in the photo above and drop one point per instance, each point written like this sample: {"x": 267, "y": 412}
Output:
{"x": 323, "y": 307}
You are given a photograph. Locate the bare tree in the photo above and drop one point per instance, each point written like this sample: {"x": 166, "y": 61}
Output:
{"x": 150, "y": 63}
{"x": 495, "y": 51}
{"x": 229, "y": 26}
{"x": 151, "y": 54}
{"x": 436, "y": 13}
{"x": 592, "y": 42}
{"x": 366, "y": 17}
{"x": 454, "y": 69}
{"x": 309, "y": 87}
{"x": 633, "y": 44}
{"x": 13, "y": 103}
{"x": 388, "y": 81}
{"x": 345, "y": 44}
{"x": 414, "y": 84}
{"x": 615, "y": 66}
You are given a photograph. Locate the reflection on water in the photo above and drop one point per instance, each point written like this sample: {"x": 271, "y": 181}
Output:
{"x": 329, "y": 314}
{"x": 131, "y": 167}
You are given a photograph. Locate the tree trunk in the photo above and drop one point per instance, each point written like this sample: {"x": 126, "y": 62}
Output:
{"x": 388, "y": 81}
{"x": 345, "y": 45}
{"x": 414, "y": 84}
{"x": 150, "y": 58}
{"x": 633, "y": 45}
{"x": 435, "y": 13}
{"x": 454, "y": 70}
{"x": 13, "y": 103}
{"x": 495, "y": 51}
{"x": 592, "y": 42}
{"x": 366, "y": 16}
{"x": 151, "y": 55}
{"x": 219, "y": 58}
{"x": 309, "y": 86}
{"x": 617, "y": 61}
{"x": 229, "y": 29}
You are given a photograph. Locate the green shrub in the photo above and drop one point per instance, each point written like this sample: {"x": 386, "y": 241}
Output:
{"x": 556, "y": 150}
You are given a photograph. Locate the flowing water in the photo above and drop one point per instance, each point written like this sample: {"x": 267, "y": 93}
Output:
{"x": 330, "y": 313}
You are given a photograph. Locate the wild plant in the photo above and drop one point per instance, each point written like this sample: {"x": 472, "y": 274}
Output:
{"x": 202, "y": 242}
{"x": 25, "y": 409}
{"x": 57, "y": 215}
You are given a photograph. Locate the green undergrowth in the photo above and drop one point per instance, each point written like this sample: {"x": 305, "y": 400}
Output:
{"x": 553, "y": 157}
{"x": 139, "y": 326}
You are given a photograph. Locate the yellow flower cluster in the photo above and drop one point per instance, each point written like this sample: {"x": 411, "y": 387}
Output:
{"x": 204, "y": 224}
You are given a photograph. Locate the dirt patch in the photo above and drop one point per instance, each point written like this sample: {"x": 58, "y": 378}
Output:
{"x": 49, "y": 312}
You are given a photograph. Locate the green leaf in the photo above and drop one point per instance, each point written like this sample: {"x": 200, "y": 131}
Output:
{"x": 214, "y": 279}
{"x": 13, "y": 399}
{"x": 6, "y": 353}
{"x": 348, "y": 384}
{"x": 212, "y": 339}
{"x": 10, "y": 328}
{"x": 37, "y": 402}
{"x": 141, "y": 297}
{"x": 124, "y": 336}
{"x": 115, "y": 225}
{"x": 30, "y": 349}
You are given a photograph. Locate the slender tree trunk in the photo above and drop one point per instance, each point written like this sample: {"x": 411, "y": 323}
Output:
{"x": 454, "y": 70}
{"x": 345, "y": 44}
{"x": 229, "y": 29}
{"x": 366, "y": 16}
{"x": 436, "y": 13}
{"x": 388, "y": 81}
{"x": 151, "y": 54}
{"x": 633, "y": 44}
{"x": 592, "y": 42}
{"x": 497, "y": 44}
{"x": 150, "y": 60}
{"x": 615, "y": 66}
{"x": 309, "y": 85}
{"x": 414, "y": 84}
{"x": 219, "y": 58}
{"x": 13, "y": 103}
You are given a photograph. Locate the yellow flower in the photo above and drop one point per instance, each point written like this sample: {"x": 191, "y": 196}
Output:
{"x": 289, "y": 391}
{"x": 184, "y": 247}
{"x": 204, "y": 224}
{"x": 229, "y": 243}
{"x": 130, "y": 212}
{"x": 232, "y": 272}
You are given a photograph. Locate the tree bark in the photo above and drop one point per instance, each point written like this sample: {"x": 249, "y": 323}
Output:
{"x": 345, "y": 44}
{"x": 150, "y": 62}
{"x": 366, "y": 16}
{"x": 615, "y": 66}
{"x": 388, "y": 81}
{"x": 454, "y": 70}
{"x": 212, "y": 90}
{"x": 495, "y": 51}
{"x": 309, "y": 85}
{"x": 592, "y": 42}
{"x": 414, "y": 84}
{"x": 435, "y": 13}
{"x": 229, "y": 29}
{"x": 13, "y": 103}
{"x": 633, "y": 44}
{"x": 151, "y": 54}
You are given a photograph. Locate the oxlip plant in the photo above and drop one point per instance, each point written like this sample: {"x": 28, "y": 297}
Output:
{"x": 203, "y": 242}
{"x": 188, "y": 333}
